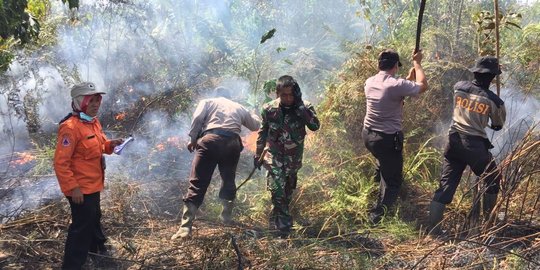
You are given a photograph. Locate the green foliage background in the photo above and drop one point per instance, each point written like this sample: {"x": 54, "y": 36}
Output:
{"x": 336, "y": 185}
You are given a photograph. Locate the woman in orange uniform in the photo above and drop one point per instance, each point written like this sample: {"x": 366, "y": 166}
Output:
{"x": 80, "y": 169}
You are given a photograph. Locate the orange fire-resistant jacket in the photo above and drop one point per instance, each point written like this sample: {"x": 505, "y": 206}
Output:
{"x": 77, "y": 160}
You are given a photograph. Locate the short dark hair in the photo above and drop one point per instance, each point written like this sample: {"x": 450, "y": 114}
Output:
{"x": 388, "y": 59}
{"x": 287, "y": 81}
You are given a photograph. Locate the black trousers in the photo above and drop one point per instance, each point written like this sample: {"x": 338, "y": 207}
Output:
{"x": 85, "y": 233}
{"x": 387, "y": 149}
{"x": 214, "y": 150}
{"x": 463, "y": 150}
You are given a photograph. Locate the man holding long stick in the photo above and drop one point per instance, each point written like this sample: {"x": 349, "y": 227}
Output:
{"x": 382, "y": 133}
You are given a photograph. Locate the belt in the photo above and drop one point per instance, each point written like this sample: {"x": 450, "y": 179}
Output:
{"x": 380, "y": 132}
{"x": 220, "y": 132}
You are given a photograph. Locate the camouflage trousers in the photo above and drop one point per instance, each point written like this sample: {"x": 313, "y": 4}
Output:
{"x": 281, "y": 185}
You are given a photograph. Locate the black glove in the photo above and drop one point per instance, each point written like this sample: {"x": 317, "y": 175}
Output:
{"x": 256, "y": 161}
{"x": 496, "y": 128}
{"x": 297, "y": 95}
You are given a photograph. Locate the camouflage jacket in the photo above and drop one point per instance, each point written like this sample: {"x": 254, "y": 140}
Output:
{"x": 282, "y": 132}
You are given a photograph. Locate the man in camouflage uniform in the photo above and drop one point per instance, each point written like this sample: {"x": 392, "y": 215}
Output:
{"x": 282, "y": 132}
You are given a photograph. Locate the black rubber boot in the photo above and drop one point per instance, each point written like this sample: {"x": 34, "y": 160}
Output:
{"x": 436, "y": 213}
{"x": 489, "y": 201}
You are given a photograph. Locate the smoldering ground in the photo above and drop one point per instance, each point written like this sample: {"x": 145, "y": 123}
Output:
{"x": 155, "y": 59}
{"x": 169, "y": 53}
{"x": 146, "y": 53}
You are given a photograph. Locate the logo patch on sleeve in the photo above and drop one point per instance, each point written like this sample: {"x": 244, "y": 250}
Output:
{"x": 65, "y": 141}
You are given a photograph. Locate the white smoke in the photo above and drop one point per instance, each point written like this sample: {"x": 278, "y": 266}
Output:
{"x": 523, "y": 113}
{"x": 136, "y": 49}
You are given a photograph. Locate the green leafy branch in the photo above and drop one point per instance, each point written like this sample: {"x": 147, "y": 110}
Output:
{"x": 485, "y": 27}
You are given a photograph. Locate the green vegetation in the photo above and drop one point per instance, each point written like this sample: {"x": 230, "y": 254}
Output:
{"x": 17, "y": 25}
{"x": 336, "y": 186}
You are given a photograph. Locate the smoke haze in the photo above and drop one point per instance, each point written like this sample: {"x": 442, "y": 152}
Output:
{"x": 523, "y": 113}
{"x": 141, "y": 51}
{"x": 137, "y": 51}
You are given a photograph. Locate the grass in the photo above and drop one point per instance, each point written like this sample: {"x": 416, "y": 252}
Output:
{"x": 337, "y": 236}
{"x": 330, "y": 206}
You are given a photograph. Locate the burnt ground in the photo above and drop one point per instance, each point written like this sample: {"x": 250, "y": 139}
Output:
{"x": 139, "y": 231}
{"x": 140, "y": 216}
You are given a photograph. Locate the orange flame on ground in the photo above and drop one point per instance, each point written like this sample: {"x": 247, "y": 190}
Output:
{"x": 23, "y": 158}
{"x": 120, "y": 116}
{"x": 250, "y": 141}
{"x": 173, "y": 141}
{"x": 160, "y": 147}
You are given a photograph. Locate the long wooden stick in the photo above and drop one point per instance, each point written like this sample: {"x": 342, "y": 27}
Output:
{"x": 497, "y": 43}
{"x": 419, "y": 25}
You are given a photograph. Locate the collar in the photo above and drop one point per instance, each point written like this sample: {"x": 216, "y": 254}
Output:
{"x": 384, "y": 73}
{"x": 479, "y": 85}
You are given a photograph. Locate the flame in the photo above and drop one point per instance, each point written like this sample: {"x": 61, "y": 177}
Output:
{"x": 160, "y": 147}
{"x": 173, "y": 141}
{"x": 250, "y": 141}
{"x": 120, "y": 116}
{"x": 23, "y": 158}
